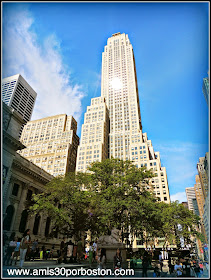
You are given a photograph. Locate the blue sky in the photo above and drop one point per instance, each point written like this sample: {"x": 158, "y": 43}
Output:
{"x": 57, "y": 48}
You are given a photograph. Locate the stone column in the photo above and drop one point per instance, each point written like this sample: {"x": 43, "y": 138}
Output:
{"x": 41, "y": 229}
{"x": 21, "y": 206}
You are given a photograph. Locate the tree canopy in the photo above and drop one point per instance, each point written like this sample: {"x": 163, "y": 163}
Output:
{"x": 112, "y": 194}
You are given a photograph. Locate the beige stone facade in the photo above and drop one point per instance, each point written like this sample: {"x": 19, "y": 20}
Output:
{"x": 94, "y": 135}
{"x": 51, "y": 143}
{"x": 22, "y": 179}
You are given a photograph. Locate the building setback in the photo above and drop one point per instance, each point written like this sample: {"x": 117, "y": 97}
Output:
{"x": 51, "y": 143}
{"x": 94, "y": 135}
{"x": 126, "y": 141}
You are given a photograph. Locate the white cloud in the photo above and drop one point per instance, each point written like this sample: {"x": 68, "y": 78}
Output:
{"x": 181, "y": 196}
{"x": 41, "y": 65}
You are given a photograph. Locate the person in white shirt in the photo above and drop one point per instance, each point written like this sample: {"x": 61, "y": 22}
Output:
{"x": 25, "y": 241}
{"x": 10, "y": 250}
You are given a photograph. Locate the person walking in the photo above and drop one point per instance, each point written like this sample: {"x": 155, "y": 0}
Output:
{"x": 10, "y": 249}
{"x": 34, "y": 249}
{"x": 51, "y": 252}
{"x": 70, "y": 250}
{"x": 118, "y": 260}
{"x": 79, "y": 251}
{"x": 178, "y": 269}
{"x": 201, "y": 267}
{"x": 145, "y": 263}
{"x": 16, "y": 251}
{"x": 197, "y": 270}
{"x": 161, "y": 261}
{"x": 61, "y": 252}
{"x": 75, "y": 252}
{"x": 25, "y": 241}
{"x": 94, "y": 249}
{"x": 91, "y": 249}
{"x": 103, "y": 259}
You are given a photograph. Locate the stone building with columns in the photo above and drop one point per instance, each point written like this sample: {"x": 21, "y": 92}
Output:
{"x": 21, "y": 179}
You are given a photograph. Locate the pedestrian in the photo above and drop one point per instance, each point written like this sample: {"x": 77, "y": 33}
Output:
{"x": 79, "y": 250}
{"x": 25, "y": 241}
{"x": 34, "y": 249}
{"x": 161, "y": 261}
{"x": 62, "y": 251}
{"x": 62, "y": 245}
{"x": 94, "y": 249}
{"x": 197, "y": 270}
{"x": 178, "y": 269}
{"x": 156, "y": 272}
{"x": 75, "y": 252}
{"x": 52, "y": 251}
{"x": 118, "y": 260}
{"x": 16, "y": 251}
{"x": 145, "y": 264}
{"x": 186, "y": 268}
{"x": 10, "y": 249}
{"x": 91, "y": 249}
{"x": 70, "y": 250}
{"x": 103, "y": 258}
{"x": 201, "y": 267}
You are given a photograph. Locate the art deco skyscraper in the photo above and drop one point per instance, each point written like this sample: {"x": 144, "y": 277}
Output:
{"x": 120, "y": 90}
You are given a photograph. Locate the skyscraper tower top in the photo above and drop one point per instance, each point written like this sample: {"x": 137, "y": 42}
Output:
{"x": 19, "y": 95}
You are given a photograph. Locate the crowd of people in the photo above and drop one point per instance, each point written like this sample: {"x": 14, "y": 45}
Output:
{"x": 26, "y": 249}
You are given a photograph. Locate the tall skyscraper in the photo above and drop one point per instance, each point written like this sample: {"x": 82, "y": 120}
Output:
{"x": 199, "y": 196}
{"x": 205, "y": 89}
{"x": 191, "y": 198}
{"x": 19, "y": 95}
{"x": 203, "y": 176}
{"x": 119, "y": 89}
{"x": 51, "y": 143}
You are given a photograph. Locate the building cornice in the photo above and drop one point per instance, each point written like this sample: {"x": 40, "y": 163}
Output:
{"x": 31, "y": 169}
{"x": 10, "y": 140}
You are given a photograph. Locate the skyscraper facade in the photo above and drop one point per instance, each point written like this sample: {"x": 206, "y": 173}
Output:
{"x": 199, "y": 196}
{"x": 205, "y": 89}
{"x": 51, "y": 143}
{"x": 94, "y": 135}
{"x": 203, "y": 176}
{"x": 19, "y": 95}
{"x": 191, "y": 198}
{"x": 119, "y": 89}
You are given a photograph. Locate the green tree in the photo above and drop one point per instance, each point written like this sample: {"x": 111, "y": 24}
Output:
{"x": 112, "y": 194}
{"x": 65, "y": 203}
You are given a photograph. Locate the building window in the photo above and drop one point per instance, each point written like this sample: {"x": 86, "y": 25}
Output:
{"x": 29, "y": 195}
{"x": 24, "y": 217}
{"x": 15, "y": 189}
{"x": 8, "y": 219}
{"x": 165, "y": 198}
{"x": 36, "y": 224}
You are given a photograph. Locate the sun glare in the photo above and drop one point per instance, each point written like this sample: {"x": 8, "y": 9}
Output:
{"x": 116, "y": 83}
